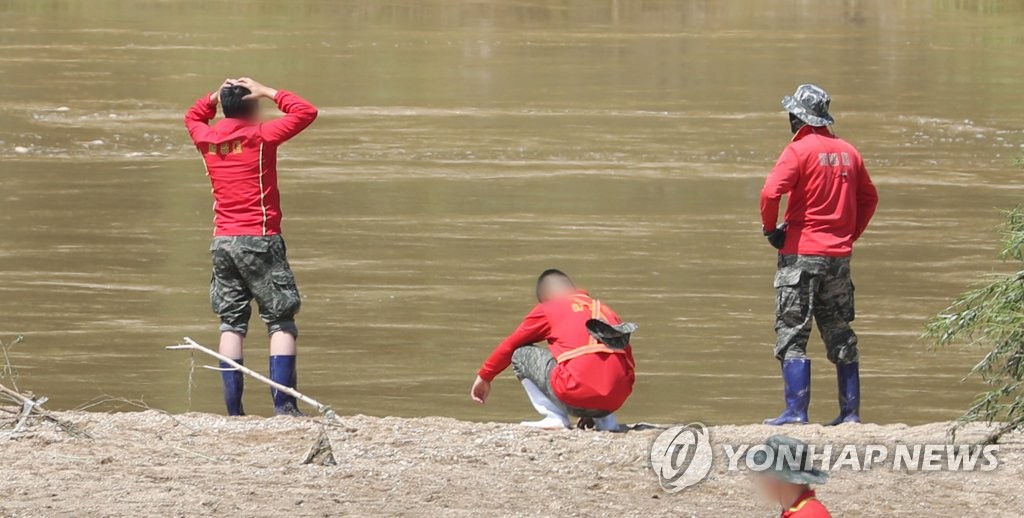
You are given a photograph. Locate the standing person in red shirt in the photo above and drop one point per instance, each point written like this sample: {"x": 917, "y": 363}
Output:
{"x": 787, "y": 477}
{"x": 831, "y": 200}
{"x": 587, "y": 368}
{"x": 248, "y": 252}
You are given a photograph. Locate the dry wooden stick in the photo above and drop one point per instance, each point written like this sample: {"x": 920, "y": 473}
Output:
{"x": 21, "y": 399}
{"x": 26, "y": 410}
{"x": 31, "y": 404}
{"x": 192, "y": 345}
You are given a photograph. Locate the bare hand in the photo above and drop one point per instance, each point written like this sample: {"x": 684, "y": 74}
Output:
{"x": 258, "y": 90}
{"x": 481, "y": 389}
{"x": 215, "y": 96}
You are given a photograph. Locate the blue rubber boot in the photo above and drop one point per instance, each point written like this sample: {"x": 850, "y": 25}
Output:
{"x": 234, "y": 384}
{"x": 282, "y": 370}
{"x": 848, "y": 375}
{"x": 796, "y": 375}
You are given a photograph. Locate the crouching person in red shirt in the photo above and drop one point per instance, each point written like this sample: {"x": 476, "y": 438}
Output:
{"x": 587, "y": 369}
{"x": 248, "y": 252}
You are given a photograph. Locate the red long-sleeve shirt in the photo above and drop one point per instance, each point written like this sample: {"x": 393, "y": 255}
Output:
{"x": 831, "y": 197}
{"x": 596, "y": 381}
{"x": 241, "y": 161}
{"x": 806, "y": 506}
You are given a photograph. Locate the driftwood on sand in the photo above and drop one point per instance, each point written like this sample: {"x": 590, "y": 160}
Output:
{"x": 191, "y": 344}
{"x": 321, "y": 451}
{"x": 32, "y": 406}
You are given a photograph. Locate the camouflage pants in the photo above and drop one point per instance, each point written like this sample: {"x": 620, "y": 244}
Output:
{"x": 535, "y": 364}
{"x": 814, "y": 287}
{"x": 253, "y": 267}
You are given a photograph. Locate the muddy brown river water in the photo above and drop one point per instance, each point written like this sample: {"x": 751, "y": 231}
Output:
{"x": 463, "y": 147}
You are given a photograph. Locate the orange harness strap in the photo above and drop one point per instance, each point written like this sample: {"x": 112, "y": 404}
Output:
{"x": 592, "y": 346}
{"x": 587, "y": 349}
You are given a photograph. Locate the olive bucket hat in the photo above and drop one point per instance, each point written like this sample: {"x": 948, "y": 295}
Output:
{"x": 616, "y": 337}
{"x": 788, "y": 459}
{"x": 810, "y": 104}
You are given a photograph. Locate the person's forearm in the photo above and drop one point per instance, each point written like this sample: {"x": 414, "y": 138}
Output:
{"x": 299, "y": 114}
{"x": 533, "y": 328}
{"x": 197, "y": 118}
{"x": 497, "y": 362}
{"x": 291, "y": 102}
{"x": 867, "y": 204}
{"x": 863, "y": 219}
{"x": 769, "y": 212}
{"x": 501, "y": 357}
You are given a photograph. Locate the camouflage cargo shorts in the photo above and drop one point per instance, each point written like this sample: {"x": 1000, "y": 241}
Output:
{"x": 247, "y": 268}
{"x": 535, "y": 364}
{"x": 818, "y": 288}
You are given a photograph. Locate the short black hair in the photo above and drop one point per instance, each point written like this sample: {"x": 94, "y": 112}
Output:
{"x": 234, "y": 104}
{"x": 550, "y": 272}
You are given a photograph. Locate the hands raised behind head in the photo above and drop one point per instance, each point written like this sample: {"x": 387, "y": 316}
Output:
{"x": 258, "y": 90}
{"x": 215, "y": 96}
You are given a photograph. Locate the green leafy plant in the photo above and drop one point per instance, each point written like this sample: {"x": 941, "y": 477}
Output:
{"x": 992, "y": 316}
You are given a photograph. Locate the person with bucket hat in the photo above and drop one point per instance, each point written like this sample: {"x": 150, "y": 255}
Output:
{"x": 586, "y": 371}
{"x": 831, "y": 200}
{"x": 784, "y": 475}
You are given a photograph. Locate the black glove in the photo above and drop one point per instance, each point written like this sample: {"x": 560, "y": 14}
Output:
{"x": 777, "y": 237}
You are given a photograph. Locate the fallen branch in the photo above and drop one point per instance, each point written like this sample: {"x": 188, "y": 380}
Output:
{"x": 321, "y": 451}
{"x": 34, "y": 405}
{"x": 26, "y": 410}
{"x": 192, "y": 345}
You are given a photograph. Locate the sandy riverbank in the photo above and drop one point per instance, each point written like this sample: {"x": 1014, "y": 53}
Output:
{"x": 152, "y": 464}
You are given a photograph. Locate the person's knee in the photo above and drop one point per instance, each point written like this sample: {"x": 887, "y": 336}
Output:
{"x": 520, "y": 362}
{"x": 235, "y": 320}
{"x": 792, "y": 353}
{"x": 279, "y": 302}
{"x": 842, "y": 347}
{"x": 234, "y": 310}
{"x": 283, "y": 326}
{"x": 239, "y": 328}
{"x": 791, "y": 342}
